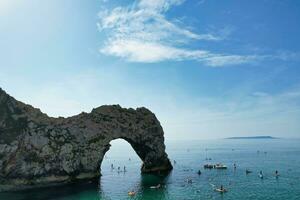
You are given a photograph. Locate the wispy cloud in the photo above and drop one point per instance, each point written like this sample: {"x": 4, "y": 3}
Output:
{"x": 149, "y": 52}
{"x": 142, "y": 33}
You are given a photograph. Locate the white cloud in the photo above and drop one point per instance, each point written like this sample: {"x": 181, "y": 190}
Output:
{"x": 139, "y": 51}
{"x": 142, "y": 33}
{"x": 288, "y": 56}
{"x": 221, "y": 60}
{"x": 158, "y": 5}
{"x": 201, "y": 2}
{"x": 150, "y": 52}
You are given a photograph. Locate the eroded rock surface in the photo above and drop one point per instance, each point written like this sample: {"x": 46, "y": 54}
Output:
{"x": 37, "y": 150}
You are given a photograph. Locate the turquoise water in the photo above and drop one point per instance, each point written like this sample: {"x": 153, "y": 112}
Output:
{"x": 281, "y": 154}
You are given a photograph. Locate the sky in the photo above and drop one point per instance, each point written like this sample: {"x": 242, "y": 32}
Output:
{"x": 207, "y": 68}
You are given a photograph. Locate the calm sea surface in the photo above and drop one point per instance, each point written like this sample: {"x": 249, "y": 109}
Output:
{"x": 278, "y": 154}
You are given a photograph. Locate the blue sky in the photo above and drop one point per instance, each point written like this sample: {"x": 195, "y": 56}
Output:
{"x": 207, "y": 68}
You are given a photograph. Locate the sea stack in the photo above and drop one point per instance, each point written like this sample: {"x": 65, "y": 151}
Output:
{"x": 38, "y": 150}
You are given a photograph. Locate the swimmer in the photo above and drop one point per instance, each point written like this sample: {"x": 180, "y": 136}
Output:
{"x": 131, "y": 193}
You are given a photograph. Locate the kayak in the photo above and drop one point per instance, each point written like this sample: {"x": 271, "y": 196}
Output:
{"x": 155, "y": 187}
{"x": 131, "y": 193}
{"x": 221, "y": 191}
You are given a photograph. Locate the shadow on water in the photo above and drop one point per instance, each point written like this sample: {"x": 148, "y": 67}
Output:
{"x": 54, "y": 192}
{"x": 92, "y": 190}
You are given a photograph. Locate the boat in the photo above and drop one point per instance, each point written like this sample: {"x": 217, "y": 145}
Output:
{"x": 220, "y": 166}
{"x": 208, "y": 166}
{"x": 216, "y": 166}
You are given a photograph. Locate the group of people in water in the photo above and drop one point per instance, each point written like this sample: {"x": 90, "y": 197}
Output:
{"x": 119, "y": 168}
{"x": 261, "y": 175}
{"x": 220, "y": 189}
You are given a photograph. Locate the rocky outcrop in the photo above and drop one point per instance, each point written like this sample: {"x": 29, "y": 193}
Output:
{"x": 37, "y": 150}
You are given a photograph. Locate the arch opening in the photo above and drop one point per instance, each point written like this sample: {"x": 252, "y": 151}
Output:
{"x": 120, "y": 158}
{"x": 151, "y": 153}
{"x": 115, "y": 181}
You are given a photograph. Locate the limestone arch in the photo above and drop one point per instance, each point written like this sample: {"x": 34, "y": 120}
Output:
{"x": 152, "y": 159}
{"x": 38, "y": 150}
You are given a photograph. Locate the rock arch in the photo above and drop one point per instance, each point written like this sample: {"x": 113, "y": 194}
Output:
{"x": 37, "y": 150}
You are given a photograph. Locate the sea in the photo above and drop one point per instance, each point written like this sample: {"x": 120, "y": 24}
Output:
{"x": 184, "y": 182}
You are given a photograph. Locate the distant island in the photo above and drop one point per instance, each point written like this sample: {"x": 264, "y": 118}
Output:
{"x": 253, "y": 137}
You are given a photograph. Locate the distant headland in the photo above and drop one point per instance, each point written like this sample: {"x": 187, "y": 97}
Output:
{"x": 253, "y": 137}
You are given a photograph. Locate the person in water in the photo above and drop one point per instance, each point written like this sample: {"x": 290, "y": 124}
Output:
{"x": 124, "y": 168}
{"x": 199, "y": 172}
{"x": 276, "y": 173}
{"x": 234, "y": 166}
{"x": 190, "y": 181}
{"x": 261, "y": 174}
{"x": 221, "y": 189}
{"x": 131, "y": 193}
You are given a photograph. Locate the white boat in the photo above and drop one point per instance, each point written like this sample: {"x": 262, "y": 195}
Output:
{"x": 220, "y": 166}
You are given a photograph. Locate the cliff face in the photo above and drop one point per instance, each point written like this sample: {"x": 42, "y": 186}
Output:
{"x": 37, "y": 150}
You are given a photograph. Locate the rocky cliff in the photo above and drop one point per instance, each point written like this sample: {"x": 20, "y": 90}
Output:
{"x": 37, "y": 150}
